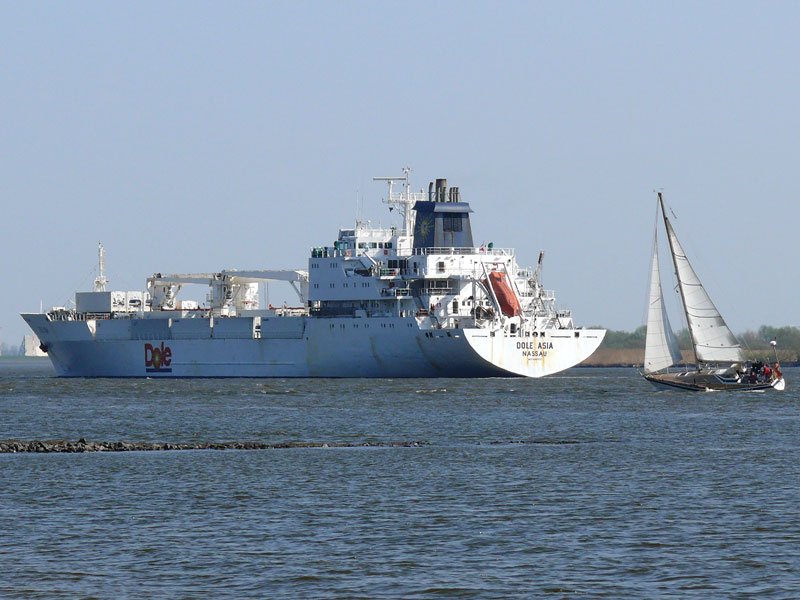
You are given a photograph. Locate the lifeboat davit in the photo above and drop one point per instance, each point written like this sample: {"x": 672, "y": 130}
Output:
{"x": 509, "y": 303}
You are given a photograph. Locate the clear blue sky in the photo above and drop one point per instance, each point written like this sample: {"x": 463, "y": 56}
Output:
{"x": 196, "y": 136}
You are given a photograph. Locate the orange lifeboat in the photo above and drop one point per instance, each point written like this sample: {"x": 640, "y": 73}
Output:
{"x": 509, "y": 303}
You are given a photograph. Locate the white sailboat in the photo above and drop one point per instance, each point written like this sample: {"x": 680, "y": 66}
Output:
{"x": 719, "y": 358}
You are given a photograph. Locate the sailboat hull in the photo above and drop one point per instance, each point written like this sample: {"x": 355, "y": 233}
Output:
{"x": 708, "y": 381}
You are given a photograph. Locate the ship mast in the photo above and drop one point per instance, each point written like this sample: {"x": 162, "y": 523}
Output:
{"x": 100, "y": 281}
{"x": 402, "y": 201}
{"x": 667, "y": 228}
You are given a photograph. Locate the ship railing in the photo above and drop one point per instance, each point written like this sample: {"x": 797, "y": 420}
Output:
{"x": 96, "y": 316}
{"x": 453, "y": 250}
{"x": 472, "y": 271}
{"x": 288, "y": 311}
{"x": 332, "y": 251}
{"x": 407, "y": 273}
{"x": 396, "y": 292}
{"x": 62, "y": 314}
{"x": 72, "y": 315}
{"x": 413, "y": 196}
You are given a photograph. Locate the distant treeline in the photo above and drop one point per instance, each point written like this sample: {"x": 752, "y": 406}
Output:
{"x": 755, "y": 343}
{"x": 8, "y": 350}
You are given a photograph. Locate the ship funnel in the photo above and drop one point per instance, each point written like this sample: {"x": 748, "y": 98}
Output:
{"x": 430, "y": 192}
{"x": 441, "y": 189}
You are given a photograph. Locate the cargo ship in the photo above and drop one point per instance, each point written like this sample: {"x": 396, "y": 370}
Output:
{"x": 418, "y": 299}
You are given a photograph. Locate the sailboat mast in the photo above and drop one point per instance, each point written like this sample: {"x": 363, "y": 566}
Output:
{"x": 677, "y": 275}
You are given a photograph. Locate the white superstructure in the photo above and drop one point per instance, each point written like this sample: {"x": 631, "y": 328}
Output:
{"x": 416, "y": 300}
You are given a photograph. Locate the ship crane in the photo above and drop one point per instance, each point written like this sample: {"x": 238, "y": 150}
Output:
{"x": 225, "y": 286}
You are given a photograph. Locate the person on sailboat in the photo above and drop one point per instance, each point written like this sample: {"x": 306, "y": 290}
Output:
{"x": 767, "y": 373}
{"x": 776, "y": 371}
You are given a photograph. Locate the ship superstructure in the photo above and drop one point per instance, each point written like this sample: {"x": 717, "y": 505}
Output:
{"x": 419, "y": 299}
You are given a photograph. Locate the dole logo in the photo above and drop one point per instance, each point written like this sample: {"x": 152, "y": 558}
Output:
{"x": 157, "y": 359}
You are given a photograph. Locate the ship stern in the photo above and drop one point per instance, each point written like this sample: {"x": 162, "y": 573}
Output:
{"x": 537, "y": 354}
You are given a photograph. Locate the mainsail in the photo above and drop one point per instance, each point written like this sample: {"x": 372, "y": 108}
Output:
{"x": 661, "y": 345}
{"x": 713, "y": 341}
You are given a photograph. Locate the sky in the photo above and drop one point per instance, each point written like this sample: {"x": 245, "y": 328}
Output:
{"x": 197, "y": 136}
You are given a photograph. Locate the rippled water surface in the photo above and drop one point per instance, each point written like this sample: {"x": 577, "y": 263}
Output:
{"x": 589, "y": 484}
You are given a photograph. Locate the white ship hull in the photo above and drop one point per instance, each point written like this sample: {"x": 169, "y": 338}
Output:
{"x": 302, "y": 347}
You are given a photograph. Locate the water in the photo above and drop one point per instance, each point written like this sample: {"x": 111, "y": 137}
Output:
{"x": 590, "y": 484}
